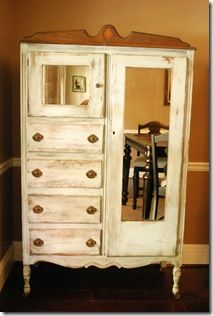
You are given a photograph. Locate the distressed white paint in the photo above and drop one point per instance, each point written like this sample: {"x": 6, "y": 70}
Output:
{"x": 35, "y": 74}
{"x": 67, "y": 191}
{"x": 153, "y": 238}
{"x": 109, "y": 50}
{"x": 64, "y": 173}
{"x": 65, "y": 137}
{"x": 65, "y": 241}
{"x": 65, "y": 157}
{"x": 64, "y": 209}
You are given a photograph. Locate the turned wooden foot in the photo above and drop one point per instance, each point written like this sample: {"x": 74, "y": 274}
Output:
{"x": 176, "y": 279}
{"x": 26, "y": 275}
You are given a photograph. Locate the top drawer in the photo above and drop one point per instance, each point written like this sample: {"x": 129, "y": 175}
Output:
{"x": 63, "y": 136}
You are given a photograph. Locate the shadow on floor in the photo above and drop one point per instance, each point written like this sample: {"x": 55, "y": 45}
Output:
{"x": 59, "y": 289}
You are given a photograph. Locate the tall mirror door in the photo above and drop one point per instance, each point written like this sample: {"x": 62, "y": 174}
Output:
{"x": 147, "y": 119}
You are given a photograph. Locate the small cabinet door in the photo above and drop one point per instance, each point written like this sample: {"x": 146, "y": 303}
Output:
{"x": 138, "y": 88}
{"x": 65, "y": 84}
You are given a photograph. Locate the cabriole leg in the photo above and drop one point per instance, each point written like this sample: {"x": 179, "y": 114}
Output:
{"x": 26, "y": 275}
{"x": 176, "y": 279}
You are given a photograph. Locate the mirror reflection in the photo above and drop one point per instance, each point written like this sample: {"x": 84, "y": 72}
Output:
{"x": 146, "y": 136}
{"x": 66, "y": 85}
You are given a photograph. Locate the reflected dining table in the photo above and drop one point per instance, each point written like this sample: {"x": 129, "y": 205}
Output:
{"x": 141, "y": 143}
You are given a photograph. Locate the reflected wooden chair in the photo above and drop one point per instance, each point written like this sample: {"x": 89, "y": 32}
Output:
{"x": 152, "y": 127}
{"x": 159, "y": 183}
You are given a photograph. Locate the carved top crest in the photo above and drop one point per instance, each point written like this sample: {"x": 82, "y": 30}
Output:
{"x": 107, "y": 36}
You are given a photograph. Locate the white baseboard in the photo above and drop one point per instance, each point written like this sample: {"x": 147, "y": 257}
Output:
{"x": 192, "y": 254}
{"x": 6, "y": 165}
{"x": 16, "y": 162}
{"x": 6, "y": 265}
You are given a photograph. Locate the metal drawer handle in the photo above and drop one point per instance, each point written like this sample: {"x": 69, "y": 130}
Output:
{"x": 91, "y": 210}
{"x": 37, "y": 173}
{"x": 90, "y": 243}
{"x": 38, "y": 242}
{"x": 92, "y": 138}
{"x": 38, "y": 209}
{"x": 91, "y": 174}
{"x": 37, "y": 137}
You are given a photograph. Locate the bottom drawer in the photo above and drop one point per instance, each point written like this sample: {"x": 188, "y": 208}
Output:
{"x": 65, "y": 241}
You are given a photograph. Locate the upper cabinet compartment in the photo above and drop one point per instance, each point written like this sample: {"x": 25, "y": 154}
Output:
{"x": 65, "y": 84}
{"x": 62, "y": 83}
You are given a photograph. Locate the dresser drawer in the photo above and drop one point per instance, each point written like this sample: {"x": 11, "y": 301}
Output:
{"x": 64, "y": 173}
{"x": 64, "y": 137}
{"x": 64, "y": 209}
{"x": 65, "y": 241}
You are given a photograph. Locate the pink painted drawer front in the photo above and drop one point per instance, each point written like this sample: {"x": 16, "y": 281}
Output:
{"x": 65, "y": 241}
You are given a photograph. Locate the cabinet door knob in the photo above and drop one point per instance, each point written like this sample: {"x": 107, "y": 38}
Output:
{"x": 38, "y": 209}
{"x": 37, "y": 173}
{"x": 38, "y": 242}
{"x": 91, "y": 174}
{"x": 91, "y": 210}
{"x": 92, "y": 138}
{"x": 99, "y": 85}
{"x": 90, "y": 243}
{"x": 37, "y": 137}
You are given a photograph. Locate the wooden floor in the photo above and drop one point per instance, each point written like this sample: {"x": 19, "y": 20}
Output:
{"x": 58, "y": 289}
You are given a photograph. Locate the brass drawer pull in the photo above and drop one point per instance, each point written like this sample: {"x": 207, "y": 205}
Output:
{"x": 91, "y": 174}
{"x": 37, "y": 137}
{"x": 92, "y": 138}
{"x": 90, "y": 242}
{"x": 38, "y": 242}
{"x": 91, "y": 210}
{"x": 38, "y": 209}
{"x": 37, "y": 173}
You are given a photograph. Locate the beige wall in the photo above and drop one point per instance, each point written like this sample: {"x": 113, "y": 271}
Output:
{"x": 144, "y": 97}
{"x": 187, "y": 20}
{"x": 197, "y": 209}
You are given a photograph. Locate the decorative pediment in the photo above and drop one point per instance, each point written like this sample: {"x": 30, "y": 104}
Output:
{"x": 107, "y": 36}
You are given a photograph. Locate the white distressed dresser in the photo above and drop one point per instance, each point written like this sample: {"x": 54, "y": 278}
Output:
{"x": 73, "y": 99}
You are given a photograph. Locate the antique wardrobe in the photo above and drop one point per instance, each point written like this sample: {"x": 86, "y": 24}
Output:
{"x": 74, "y": 94}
